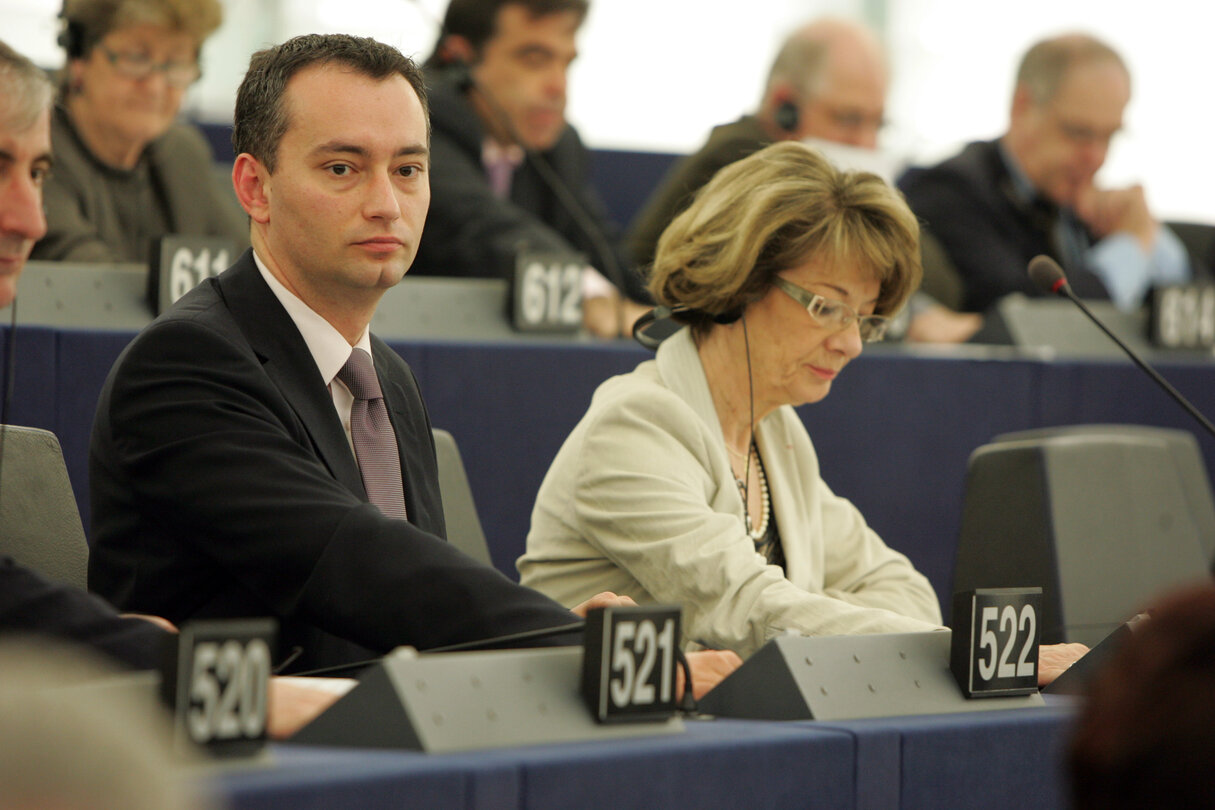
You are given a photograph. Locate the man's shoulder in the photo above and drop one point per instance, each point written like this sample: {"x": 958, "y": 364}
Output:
{"x": 973, "y": 177}
{"x": 183, "y": 141}
{"x": 204, "y": 311}
{"x": 976, "y": 163}
{"x": 746, "y": 132}
{"x": 452, "y": 118}
{"x": 726, "y": 144}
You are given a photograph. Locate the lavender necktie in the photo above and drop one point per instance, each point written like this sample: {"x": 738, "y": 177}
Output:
{"x": 375, "y": 444}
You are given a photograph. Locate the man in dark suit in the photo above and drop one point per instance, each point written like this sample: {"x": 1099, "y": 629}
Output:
{"x": 1000, "y": 203}
{"x": 223, "y": 481}
{"x": 497, "y": 82}
{"x": 31, "y": 605}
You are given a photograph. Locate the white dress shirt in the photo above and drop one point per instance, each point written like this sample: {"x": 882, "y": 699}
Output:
{"x": 329, "y": 349}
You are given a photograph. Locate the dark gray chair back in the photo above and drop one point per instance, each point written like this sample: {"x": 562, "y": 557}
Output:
{"x": 39, "y": 523}
{"x": 459, "y": 510}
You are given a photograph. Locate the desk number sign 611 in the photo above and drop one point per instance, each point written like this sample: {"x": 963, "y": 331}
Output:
{"x": 181, "y": 262}
{"x": 628, "y": 672}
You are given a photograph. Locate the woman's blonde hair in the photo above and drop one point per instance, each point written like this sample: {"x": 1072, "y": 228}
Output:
{"x": 775, "y": 210}
{"x": 87, "y": 22}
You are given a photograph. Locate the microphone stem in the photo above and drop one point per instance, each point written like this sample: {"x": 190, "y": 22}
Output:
{"x": 1151, "y": 372}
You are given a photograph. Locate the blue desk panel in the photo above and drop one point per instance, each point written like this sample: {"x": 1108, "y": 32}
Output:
{"x": 992, "y": 760}
{"x": 722, "y": 764}
{"x": 33, "y": 399}
{"x": 304, "y": 778}
{"x": 894, "y": 436}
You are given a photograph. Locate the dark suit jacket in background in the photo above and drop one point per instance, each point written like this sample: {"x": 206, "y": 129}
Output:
{"x": 471, "y": 232}
{"x": 726, "y": 144}
{"x": 968, "y": 204}
{"x": 33, "y": 605}
{"x": 223, "y": 485}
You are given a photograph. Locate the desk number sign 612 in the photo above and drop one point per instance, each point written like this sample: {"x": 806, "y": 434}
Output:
{"x": 628, "y": 671}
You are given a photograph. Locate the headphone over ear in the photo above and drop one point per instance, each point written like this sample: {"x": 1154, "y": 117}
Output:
{"x": 71, "y": 37}
{"x": 663, "y": 313}
{"x": 786, "y": 116}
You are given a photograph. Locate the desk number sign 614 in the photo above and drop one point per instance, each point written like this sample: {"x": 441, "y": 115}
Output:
{"x": 628, "y": 671}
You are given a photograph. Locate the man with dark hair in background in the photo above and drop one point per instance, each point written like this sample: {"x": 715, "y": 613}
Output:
{"x": 997, "y": 204}
{"x": 508, "y": 171}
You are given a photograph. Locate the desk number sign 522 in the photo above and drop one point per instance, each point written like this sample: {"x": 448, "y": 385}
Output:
{"x": 996, "y": 632}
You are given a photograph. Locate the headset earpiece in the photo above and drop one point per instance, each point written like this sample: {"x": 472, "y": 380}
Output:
{"x": 71, "y": 37}
{"x": 786, "y": 116}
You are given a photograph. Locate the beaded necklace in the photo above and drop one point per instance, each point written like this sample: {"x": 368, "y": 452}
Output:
{"x": 757, "y": 535}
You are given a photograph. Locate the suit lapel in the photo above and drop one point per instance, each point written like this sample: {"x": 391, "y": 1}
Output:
{"x": 681, "y": 370}
{"x": 288, "y": 363}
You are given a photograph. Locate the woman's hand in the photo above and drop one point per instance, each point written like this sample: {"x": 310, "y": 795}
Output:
{"x": 603, "y": 600}
{"x": 1054, "y": 659}
{"x": 709, "y": 668}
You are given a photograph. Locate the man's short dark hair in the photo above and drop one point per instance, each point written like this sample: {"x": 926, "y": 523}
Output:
{"x": 261, "y": 118}
{"x": 475, "y": 20}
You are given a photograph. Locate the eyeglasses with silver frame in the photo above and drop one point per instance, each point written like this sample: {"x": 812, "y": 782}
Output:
{"x": 136, "y": 65}
{"x": 832, "y": 314}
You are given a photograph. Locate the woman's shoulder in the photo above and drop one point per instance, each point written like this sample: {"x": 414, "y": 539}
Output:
{"x": 640, "y": 402}
{"x": 184, "y": 141}
{"x": 636, "y": 388}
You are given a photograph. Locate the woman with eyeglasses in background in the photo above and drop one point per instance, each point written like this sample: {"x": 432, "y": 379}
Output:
{"x": 126, "y": 171}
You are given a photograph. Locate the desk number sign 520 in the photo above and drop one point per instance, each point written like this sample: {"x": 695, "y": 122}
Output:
{"x": 218, "y": 687}
{"x": 630, "y": 659}
{"x": 996, "y": 632}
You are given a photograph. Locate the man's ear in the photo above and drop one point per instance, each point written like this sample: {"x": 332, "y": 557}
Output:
{"x": 1022, "y": 103}
{"x": 251, "y": 180}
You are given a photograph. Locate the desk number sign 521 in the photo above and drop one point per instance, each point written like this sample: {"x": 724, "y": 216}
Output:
{"x": 631, "y": 654}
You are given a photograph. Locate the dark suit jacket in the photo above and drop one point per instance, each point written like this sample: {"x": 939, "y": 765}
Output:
{"x": 33, "y": 605}
{"x": 727, "y": 143}
{"x": 223, "y": 485}
{"x": 471, "y": 232}
{"x": 968, "y": 204}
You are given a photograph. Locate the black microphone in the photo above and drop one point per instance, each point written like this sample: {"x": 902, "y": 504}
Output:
{"x": 1048, "y": 275}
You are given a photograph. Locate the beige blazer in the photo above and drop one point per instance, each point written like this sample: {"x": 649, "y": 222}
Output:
{"x": 641, "y": 500}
